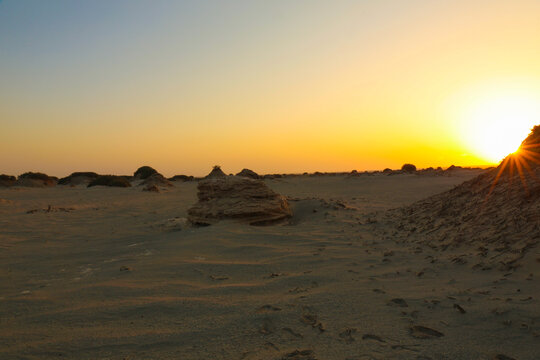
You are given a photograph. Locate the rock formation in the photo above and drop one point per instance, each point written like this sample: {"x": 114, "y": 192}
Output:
{"x": 249, "y": 174}
{"x": 144, "y": 172}
{"x": 31, "y": 179}
{"x": 216, "y": 173}
{"x": 78, "y": 178}
{"x": 7, "y": 180}
{"x": 110, "y": 180}
{"x": 239, "y": 198}
{"x": 156, "y": 180}
{"x": 410, "y": 168}
{"x": 181, "y": 178}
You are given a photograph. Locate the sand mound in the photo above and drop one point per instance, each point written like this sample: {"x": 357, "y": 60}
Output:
{"x": 181, "y": 178}
{"x": 110, "y": 180}
{"x": 496, "y": 213}
{"x": 78, "y": 178}
{"x": 31, "y": 179}
{"x": 216, "y": 173}
{"x": 155, "y": 180}
{"x": 233, "y": 197}
{"x": 144, "y": 172}
{"x": 7, "y": 180}
{"x": 249, "y": 174}
{"x": 151, "y": 188}
{"x": 410, "y": 168}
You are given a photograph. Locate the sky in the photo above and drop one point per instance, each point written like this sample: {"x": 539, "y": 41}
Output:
{"x": 274, "y": 86}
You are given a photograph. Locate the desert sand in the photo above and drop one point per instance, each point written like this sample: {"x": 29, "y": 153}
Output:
{"x": 118, "y": 273}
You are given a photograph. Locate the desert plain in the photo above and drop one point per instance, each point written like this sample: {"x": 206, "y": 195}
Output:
{"x": 119, "y": 273}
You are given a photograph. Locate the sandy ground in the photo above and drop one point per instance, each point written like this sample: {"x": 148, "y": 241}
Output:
{"x": 114, "y": 273}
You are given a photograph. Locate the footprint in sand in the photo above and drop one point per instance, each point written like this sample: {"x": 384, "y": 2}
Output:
{"x": 372, "y": 337}
{"x": 299, "y": 355}
{"x": 460, "y": 309}
{"x": 398, "y": 302}
{"x": 423, "y": 332}
{"x": 292, "y": 332}
{"x": 310, "y": 318}
{"x": 347, "y": 335}
{"x": 267, "y": 327}
{"x": 218, "y": 277}
{"x": 267, "y": 308}
{"x": 503, "y": 357}
{"x": 298, "y": 290}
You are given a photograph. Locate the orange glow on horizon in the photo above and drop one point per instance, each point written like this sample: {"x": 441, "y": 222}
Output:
{"x": 331, "y": 86}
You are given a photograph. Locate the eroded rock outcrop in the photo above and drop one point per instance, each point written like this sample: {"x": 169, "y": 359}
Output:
{"x": 216, "y": 173}
{"x": 110, "y": 180}
{"x": 144, "y": 172}
{"x": 249, "y": 174}
{"x": 156, "y": 180}
{"x": 233, "y": 197}
{"x": 36, "y": 179}
{"x": 78, "y": 178}
{"x": 7, "y": 180}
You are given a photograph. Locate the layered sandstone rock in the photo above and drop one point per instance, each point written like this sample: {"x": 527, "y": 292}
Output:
{"x": 238, "y": 198}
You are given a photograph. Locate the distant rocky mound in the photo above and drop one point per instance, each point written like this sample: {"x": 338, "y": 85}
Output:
{"x": 410, "y": 168}
{"x": 181, "y": 178}
{"x": 32, "y": 179}
{"x": 249, "y": 174}
{"x": 78, "y": 178}
{"x": 216, "y": 173}
{"x": 496, "y": 213}
{"x": 431, "y": 171}
{"x": 110, "y": 180}
{"x": 156, "y": 180}
{"x": 238, "y": 198}
{"x": 272, "y": 176}
{"x": 144, "y": 172}
{"x": 7, "y": 180}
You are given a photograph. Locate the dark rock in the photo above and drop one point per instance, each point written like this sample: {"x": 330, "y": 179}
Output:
{"x": 249, "y": 174}
{"x": 216, "y": 173}
{"x": 181, "y": 178}
{"x": 32, "y": 179}
{"x": 110, "y": 180}
{"x": 410, "y": 168}
{"x": 144, "y": 172}
{"x": 78, "y": 178}
{"x": 7, "y": 180}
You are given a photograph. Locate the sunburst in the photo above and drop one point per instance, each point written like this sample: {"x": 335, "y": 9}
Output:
{"x": 522, "y": 161}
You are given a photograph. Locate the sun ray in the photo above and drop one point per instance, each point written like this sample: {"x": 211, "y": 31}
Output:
{"x": 519, "y": 168}
{"x": 520, "y": 162}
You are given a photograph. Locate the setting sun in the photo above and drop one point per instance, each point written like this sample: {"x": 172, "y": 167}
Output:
{"x": 495, "y": 125}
